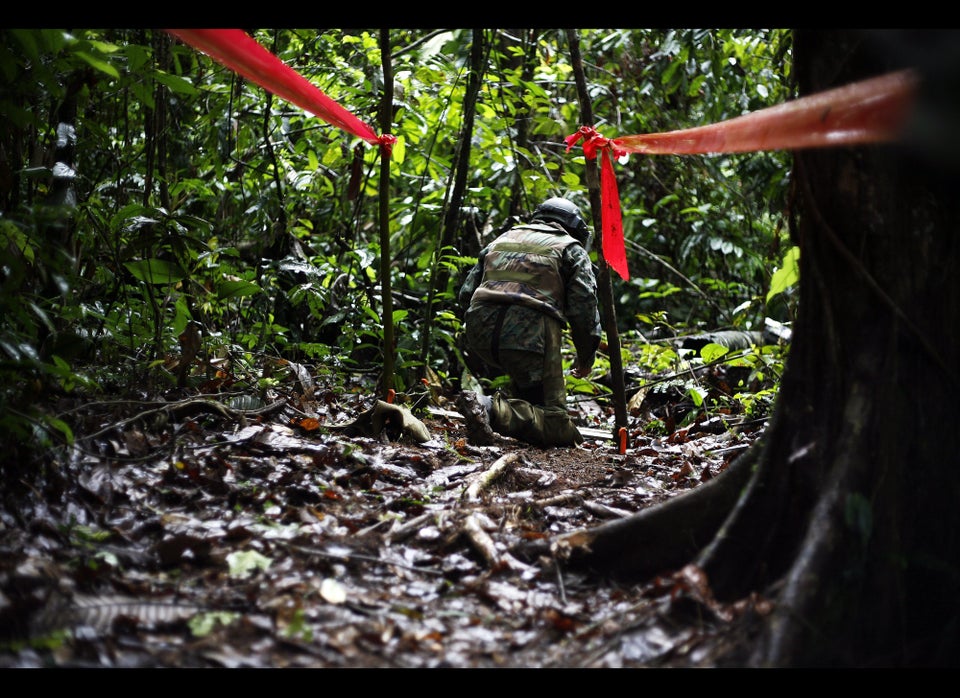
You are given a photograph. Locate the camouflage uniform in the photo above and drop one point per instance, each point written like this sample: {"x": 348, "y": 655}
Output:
{"x": 528, "y": 284}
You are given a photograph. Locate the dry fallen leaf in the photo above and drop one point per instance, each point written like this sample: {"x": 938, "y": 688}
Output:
{"x": 333, "y": 591}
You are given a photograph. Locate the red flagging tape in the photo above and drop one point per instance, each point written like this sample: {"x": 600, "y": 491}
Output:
{"x": 611, "y": 220}
{"x": 870, "y": 111}
{"x": 613, "y": 247}
{"x": 241, "y": 53}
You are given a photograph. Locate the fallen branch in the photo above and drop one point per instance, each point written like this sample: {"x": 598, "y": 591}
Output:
{"x": 560, "y": 500}
{"x": 482, "y": 541}
{"x": 604, "y": 511}
{"x": 401, "y": 531}
{"x": 488, "y": 476}
{"x": 185, "y": 408}
{"x": 484, "y": 544}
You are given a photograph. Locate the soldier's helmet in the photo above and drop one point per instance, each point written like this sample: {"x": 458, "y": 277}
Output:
{"x": 566, "y": 213}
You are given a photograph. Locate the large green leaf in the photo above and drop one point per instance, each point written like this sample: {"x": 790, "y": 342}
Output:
{"x": 787, "y": 275}
{"x": 156, "y": 271}
{"x": 175, "y": 83}
{"x": 98, "y": 63}
{"x": 236, "y": 288}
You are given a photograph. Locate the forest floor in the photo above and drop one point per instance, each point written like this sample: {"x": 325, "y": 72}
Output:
{"x": 188, "y": 532}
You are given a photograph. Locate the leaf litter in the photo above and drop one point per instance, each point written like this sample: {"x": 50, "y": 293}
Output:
{"x": 194, "y": 533}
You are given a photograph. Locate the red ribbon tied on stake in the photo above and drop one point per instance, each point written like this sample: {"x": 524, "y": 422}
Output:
{"x": 611, "y": 219}
{"x": 870, "y": 111}
{"x": 241, "y": 53}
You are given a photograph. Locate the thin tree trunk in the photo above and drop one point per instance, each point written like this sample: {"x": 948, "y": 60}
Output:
{"x": 386, "y": 292}
{"x": 604, "y": 282}
{"x": 520, "y": 143}
{"x": 451, "y": 222}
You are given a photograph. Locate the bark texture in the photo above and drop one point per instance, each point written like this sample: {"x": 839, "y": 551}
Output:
{"x": 849, "y": 518}
{"x": 864, "y": 442}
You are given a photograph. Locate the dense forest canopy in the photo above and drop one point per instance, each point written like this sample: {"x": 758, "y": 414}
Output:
{"x": 153, "y": 200}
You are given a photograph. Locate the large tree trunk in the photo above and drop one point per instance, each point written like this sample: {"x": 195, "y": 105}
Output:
{"x": 866, "y": 438}
{"x": 850, "y": 517}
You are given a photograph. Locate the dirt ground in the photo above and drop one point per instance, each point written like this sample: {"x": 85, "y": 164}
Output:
{"x": 194, "y": 537}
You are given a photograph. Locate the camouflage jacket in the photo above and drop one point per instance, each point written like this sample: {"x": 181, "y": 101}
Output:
{"x": 536, "y": 270}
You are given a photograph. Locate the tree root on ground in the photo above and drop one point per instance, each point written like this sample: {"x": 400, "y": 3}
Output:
{"x": 662, "y": 538}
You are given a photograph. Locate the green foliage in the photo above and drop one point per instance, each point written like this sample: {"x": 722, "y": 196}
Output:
{"x": 714, "y": 381}
{"x": 787, "y": 275}
{"x": 205, "y": 202}
{"x": 245, "y": 563}
{"x": 203, "y": 624}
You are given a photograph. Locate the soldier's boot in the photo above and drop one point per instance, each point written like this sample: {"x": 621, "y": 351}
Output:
{"x": 475, "y": 410}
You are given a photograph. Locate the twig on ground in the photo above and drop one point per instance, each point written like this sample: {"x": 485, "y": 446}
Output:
{"x": 488, "y": 476}
{"x": 481, "y": 540}
{"x": 484, "y": 544}
{"x": 604, "y": 511}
